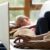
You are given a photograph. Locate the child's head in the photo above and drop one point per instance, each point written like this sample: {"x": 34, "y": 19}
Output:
{"x": 22, "y": 20}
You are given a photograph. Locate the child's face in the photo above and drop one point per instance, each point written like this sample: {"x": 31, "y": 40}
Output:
{"x": 23, "y": 22}
{"x": 26, "y": 21}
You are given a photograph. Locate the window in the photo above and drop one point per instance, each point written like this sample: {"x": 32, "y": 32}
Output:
{"x": 34, "y": 15}
{"x": 26, "y": 7}
{"x": 38, "y": 2}
{"x": 15, "y": 13}
{"x": 16, "y": 7}
{"x": 1, "y": 1}
{"x": 16, "y": 3}
{"x": 35, "y": 9}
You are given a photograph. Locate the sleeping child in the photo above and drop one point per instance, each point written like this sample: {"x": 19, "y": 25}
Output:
{"x": 23, "y": 23}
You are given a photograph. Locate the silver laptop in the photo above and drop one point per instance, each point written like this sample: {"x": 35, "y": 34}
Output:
{"x": 4, "y": 29}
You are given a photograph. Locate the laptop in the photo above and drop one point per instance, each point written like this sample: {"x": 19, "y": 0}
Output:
{"x": 4, "y": 29}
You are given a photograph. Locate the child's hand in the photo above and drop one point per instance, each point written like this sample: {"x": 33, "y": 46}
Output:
{"x": 33, "y": 29}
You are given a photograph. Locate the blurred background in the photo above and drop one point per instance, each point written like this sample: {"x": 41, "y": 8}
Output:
{"x": 30, "y": 8}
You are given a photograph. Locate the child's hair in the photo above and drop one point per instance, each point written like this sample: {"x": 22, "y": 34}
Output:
{"x": 20, "y": 20}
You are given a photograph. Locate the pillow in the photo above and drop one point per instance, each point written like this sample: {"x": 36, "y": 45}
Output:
{"x": 24, "y": 31}
{"x": 28, "y": 33}
{"x": 47, "y": 36}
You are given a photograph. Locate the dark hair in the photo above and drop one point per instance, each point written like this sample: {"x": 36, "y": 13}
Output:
{"x": 47, "y": 15}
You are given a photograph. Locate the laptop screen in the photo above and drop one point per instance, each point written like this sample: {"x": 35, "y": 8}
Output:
{"x": 4, "y": 31}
